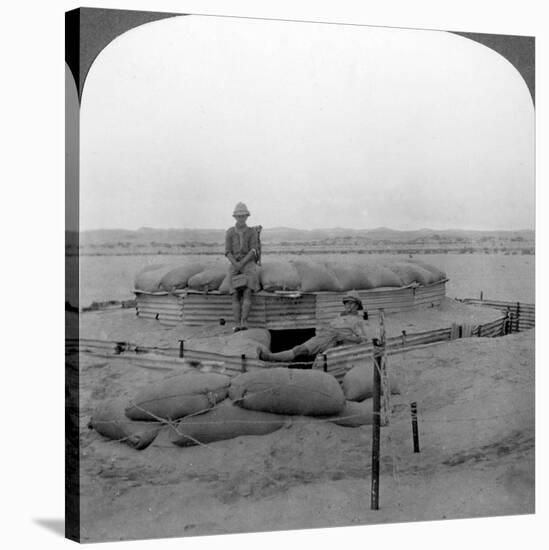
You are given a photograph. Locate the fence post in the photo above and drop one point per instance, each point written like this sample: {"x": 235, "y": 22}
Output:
{"x": 481, "y": 295}
{"x": 379, "y": 352}
{"x": 376, "y": 424}
{"x": 325, "y": 362}
{"x": 181, "y": 347}
{"x": 243, "y": 363}
{"x": 415, "y": 432}
{"x": 518, "y": 316}
{"x": 383, "y": 371}
{"x": 403, "y": 337}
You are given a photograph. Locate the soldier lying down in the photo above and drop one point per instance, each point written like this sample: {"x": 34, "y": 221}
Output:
{"x": 347, "y": 328}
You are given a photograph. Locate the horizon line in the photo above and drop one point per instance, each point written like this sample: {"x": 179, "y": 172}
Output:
{"x": 151, "y": 228}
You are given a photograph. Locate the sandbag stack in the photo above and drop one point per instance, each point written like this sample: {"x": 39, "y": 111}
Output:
{"x": 279, "y": 275}
{"x": 310, "y": 275}
{"x": 200, "y": 407}
{"x": 358, "y": 389}
{"x": 288, "y": 391}
{"x": 138, "y": 419}
{"x": 226, "y": 421}
{"x": 150, "y": 277}
{"x": 177, "y": 396}
{"x": 209, "y": 278}
{"x": 358, "y": 383}
{"x": 111, "y": 422}
{"x": 178, "y": 277}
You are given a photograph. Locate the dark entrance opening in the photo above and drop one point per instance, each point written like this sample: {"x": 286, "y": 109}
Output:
{"x": 286, "y": 339}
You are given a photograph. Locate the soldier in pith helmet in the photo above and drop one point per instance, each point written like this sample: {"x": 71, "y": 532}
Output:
{"x": 242, "y": 250}
{"x": 346, "y": 328}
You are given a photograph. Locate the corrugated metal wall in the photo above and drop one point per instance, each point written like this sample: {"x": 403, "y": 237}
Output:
{"x": 276, "y": 312}
{"x": 165, "y": 308}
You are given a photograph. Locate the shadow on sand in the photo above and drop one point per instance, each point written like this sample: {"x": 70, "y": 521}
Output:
{"x": 56, "y": 526}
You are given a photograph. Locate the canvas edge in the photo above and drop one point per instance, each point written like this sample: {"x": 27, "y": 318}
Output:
{"x": 72, "y": 298}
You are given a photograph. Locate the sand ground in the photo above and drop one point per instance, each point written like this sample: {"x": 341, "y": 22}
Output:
{"x": 476, "y": 419}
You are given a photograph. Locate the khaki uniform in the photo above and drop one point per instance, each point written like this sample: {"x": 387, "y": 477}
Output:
{"x": 336, "y": 333}
{"x": 239, "y": 243}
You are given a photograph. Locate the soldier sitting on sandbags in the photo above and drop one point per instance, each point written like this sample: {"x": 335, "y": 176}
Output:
{"x": 347, "y": 328}
{"x": 242, "y": 248}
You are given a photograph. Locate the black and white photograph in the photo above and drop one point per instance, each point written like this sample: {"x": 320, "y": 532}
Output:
{"x": 300, "y": 275}
{"x": 299, "y": 247}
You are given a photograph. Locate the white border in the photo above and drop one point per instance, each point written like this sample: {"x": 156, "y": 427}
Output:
{"x": 33, "y": 105}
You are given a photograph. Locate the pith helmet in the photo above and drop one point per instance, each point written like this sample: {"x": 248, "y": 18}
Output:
{"x": 241, "y": 209}
{"x": 353, "y": 296}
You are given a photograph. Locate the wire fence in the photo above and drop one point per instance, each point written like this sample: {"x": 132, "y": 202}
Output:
{"x": 337, "y": 361}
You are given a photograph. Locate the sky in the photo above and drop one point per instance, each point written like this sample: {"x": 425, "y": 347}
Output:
{"x": 311, "y": 125}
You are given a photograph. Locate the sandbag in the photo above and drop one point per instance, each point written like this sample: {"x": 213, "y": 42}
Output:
{"x": 315, "y": 277}
{"x": 225, "y": 286}
{"x": 358, "y": 383}
{"x": 257, "y": 335}
{"x": 279, "y": 275}
{"x": 177, "y": 277}
{"x": 177, "y": 396}
{"x": 288, "y": 391}
{"x": 411, "y": 273}
{"x": 208, "y": 279}
{"x": 148, "y": 279}
{"x": 225, "y": 421}
{"x": 351, "y": 276}
{"x": 243, "y": 342}
{"x": 438, "y": 274}
{"x": 355, "y": 414}
{"x": 381, "y": 276}
{"x": 110, "y": 421}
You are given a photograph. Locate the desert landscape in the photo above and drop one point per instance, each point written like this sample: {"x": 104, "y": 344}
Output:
{"x": 475, "y": 401}
{"x": 500, "y": 264}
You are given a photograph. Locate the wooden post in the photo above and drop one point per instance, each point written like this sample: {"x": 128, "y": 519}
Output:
{"x": 518, "y": 316}
{"x": 325, "y": 362}
{"x": 403, "y": 337}
{"x": 243, "y": 363}
{"x": 382, "y": 328}
{"x": 374, "y": 499}
{"x": 181, "y": 348}
{"x": 415, "y": 433}
{"x": 385, "y": 393}
{"x": 379, "y": 350}
{"x": 481, "y": 295}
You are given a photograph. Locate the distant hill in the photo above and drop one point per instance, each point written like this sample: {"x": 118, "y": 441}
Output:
{"x": 286, "y": 234}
